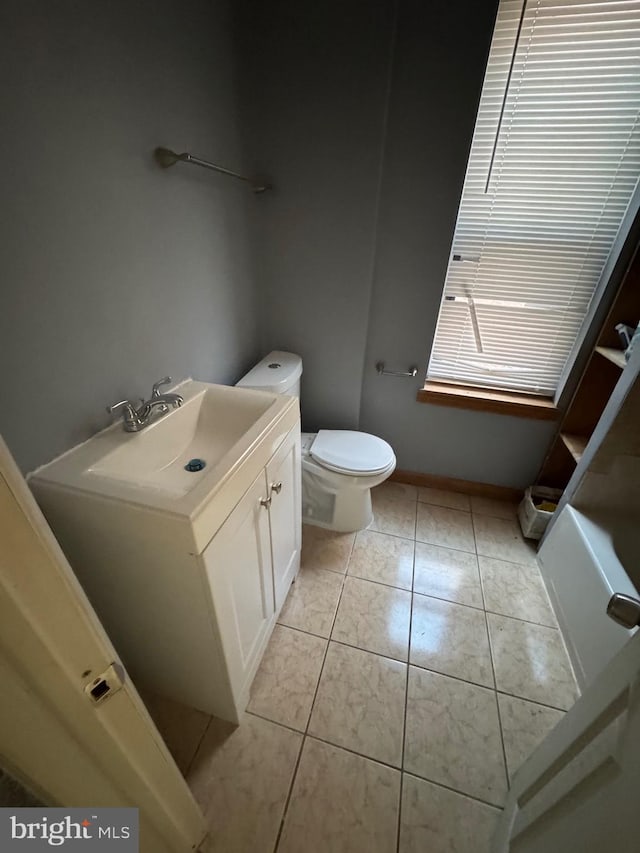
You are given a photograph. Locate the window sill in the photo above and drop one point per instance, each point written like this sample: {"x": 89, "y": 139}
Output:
{"x": 485, "y": 400}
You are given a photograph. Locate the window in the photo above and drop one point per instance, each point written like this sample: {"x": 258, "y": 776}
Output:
{"x": 553, "y": 168}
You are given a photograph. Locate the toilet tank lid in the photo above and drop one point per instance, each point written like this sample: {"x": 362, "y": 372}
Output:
{"x": 276, "y": 372}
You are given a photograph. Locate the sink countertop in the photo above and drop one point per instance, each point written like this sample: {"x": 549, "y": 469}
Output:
{"x": 238, "y": 463}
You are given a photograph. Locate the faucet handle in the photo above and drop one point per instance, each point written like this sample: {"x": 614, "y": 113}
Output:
{"x": 155, "y": 391}
{"x": 127, "y": 405}
{"x": 133, "y": 420}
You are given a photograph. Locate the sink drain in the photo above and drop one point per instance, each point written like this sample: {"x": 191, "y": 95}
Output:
{"x": 195, "y": 465}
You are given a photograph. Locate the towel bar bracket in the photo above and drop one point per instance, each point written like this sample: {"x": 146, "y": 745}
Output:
{"x": 413, "y": 371}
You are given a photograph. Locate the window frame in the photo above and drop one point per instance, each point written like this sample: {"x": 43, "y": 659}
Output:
{"x": 525, "y": 404}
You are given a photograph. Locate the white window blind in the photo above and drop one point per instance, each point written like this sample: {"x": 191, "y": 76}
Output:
{"x": 554, "y": 162}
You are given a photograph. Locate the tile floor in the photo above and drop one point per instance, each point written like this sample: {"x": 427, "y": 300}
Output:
{"x": 414, "y": 667}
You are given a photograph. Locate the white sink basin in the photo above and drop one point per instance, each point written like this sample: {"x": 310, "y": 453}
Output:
{"x": 229, "y": 429}
{"x": 206, "y": 427}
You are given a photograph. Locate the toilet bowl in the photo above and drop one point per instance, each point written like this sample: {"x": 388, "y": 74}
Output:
{"x": 339, "y": 467}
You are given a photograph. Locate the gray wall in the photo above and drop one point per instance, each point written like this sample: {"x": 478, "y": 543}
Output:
{"x": 437, "y": 77}
{"x": 314, "y": 98}
{"x": 366, "y": 133}
{"x": 115, "y": 273}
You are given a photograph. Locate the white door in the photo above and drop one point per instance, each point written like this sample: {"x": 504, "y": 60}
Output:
{"x": 580, "y": 790}
{"x": 283, "y": 476}
{"x": 68, "y": 748}
{"x": 238, "y": 566}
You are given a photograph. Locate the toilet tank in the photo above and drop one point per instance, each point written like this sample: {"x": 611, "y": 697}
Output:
{"x": 278, "y": 372}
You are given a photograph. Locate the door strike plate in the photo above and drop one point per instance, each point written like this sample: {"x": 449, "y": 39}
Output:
{"x": 99, "y": 689}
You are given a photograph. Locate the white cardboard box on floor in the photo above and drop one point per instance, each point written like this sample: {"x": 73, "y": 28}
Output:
{"x": 533, "y": 521}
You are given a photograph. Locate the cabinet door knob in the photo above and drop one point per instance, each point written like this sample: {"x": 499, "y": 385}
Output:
{"x": 276, "y": 487}
{"x": 265, "y": 502}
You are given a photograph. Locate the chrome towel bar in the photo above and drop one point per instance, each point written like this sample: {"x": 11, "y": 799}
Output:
{"x": 413, "y": 371}
{"x": 165, "y": 158}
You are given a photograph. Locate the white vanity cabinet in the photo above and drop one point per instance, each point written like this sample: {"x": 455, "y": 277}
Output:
{"x": 285, "y": 516}
{"x": 188, "y": 585}
{"x": 251, "y": 562}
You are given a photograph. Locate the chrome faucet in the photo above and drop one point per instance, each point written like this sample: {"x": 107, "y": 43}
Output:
{"x": 135, "y": 419}
{"x": 174, "y": 399}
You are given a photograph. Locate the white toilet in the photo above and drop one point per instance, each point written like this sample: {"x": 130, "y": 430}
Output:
{"x": 339, "y": 466}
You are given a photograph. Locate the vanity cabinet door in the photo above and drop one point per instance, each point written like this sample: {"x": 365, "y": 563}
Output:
{"x": 238, "y": 567}
{"x": 283, "y": 478}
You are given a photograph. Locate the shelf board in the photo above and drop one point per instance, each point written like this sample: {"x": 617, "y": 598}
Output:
{"x": 575, "y": 444}
{"x": 614, "y": 355}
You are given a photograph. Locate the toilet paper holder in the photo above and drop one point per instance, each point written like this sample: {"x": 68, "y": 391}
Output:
{"x": 413, "y": 371}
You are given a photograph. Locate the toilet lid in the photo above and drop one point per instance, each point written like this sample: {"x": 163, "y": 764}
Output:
{"x": 352, "y": 452}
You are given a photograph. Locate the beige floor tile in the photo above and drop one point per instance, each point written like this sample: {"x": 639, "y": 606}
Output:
{"x": 515, "y": 590}
{"x": 312, "y": 601}
{"x": 436, "y": 820}
{"x": 341, "y": 803}
{"x": 450, "y": 528}
{"x": 453, "y": 735}
{"x": 325, "y": 549}
{"x": 181, "y": 727}
{"x": 360, "y": 703}
{"x": 442, "y": 497}
{"x": 397, "y": 491}
{"x": 502, "y": 538}
{"x": 394, "y": 516}
{"x": 240, "y": 778}
{"x": 374, "y": 617}
{"x": 286, "y": 681}
{"x": 493, "y": 507}
{"x": 382, "y": 558}
{"x": 531, "y": 662}
{"x": 446, "y": 573}
{"x": 524, "y": 726}
{"x": 450, "y": 638}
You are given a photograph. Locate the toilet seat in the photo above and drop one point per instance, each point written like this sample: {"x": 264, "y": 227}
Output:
{"x": 351, "y": 452}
